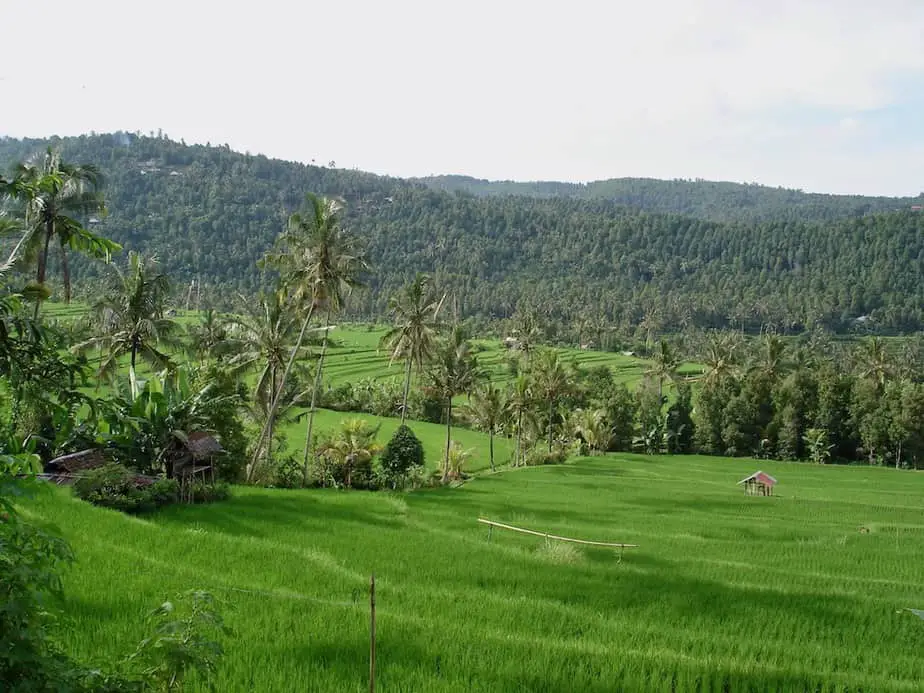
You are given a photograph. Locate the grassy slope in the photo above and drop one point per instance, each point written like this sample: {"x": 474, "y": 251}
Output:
{"x": 750, "y": 593}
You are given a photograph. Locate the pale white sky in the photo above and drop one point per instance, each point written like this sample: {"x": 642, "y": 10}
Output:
{"x": 826, "y": 95}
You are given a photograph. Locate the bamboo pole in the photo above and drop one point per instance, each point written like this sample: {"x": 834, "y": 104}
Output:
{"x": 548, "y": 536}
{"x": 372, "y": 634}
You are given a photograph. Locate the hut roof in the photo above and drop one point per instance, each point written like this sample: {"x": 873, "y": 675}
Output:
{"x": 77, "y": 461}
{"x": 202, "y": 445}
{"x": 761, "y": 477}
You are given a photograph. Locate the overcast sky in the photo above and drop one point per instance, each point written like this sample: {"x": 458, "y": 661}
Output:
{"x": 825, "y": 95}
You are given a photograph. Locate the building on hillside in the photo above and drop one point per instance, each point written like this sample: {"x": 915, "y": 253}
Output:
{"x": 758, "y": 484}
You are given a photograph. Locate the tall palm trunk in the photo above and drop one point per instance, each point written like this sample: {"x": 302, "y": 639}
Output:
{"x": 132, "y": 377}
{"x": 448, "y": 440}
{"x": 407, "y": 390}
{"x": 491, "y": 448}
{"x": 271, "y": 417}
{"x": 551, "y": 414}
{"x": 274, "y": 404}
{"x": 43, "y": 263}
{"x": 65, "y": 274}
{"x": 516, "y": 449}
{"x": 314, "y": 391}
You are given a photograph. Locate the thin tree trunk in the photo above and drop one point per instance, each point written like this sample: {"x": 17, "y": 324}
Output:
{"x": 271, "y": 417}
{"x": 491, "y": 448}
{"x": 43, "y": 264}
{"x": 65, "y": 274}
{"x": 551, "y": 414}
{"x": 285, "y": 377}
{"x": 132, "y": 377}
{"x": 516, "y": 449}
{"x": 314, "y": 391}
{"x": 407, "y": 389}
{"x": 448, "y": 440}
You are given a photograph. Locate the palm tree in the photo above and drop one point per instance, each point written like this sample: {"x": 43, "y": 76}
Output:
{"x": 591, "y": 425}
{"x": 519, "y": 409}
{"x": 353, "y": 445}
{"x": 130, "y": 319}
{"x": 721, "y": 357}
{"x": 54, "y": 194}
{"x": 320, "y": 264}
{"x": 454, "y": 372}
{"x": 262, "y": 340}
{"x": 664, "y": 367}
{"x": 875, "y": 362}
{"x": 208, "y": 336}
{"x": 415, "y": 311}
{"x": 551, "y": 381}
{"x": 771, "y": 359}
{"x": 487, "y": 412}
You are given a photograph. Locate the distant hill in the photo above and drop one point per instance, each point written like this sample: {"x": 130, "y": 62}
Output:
{"x": 210, "y": 213}
{"x": 716, "y": 201}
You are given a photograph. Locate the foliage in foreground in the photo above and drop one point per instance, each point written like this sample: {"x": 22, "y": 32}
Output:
{"x": 31, "y": 659}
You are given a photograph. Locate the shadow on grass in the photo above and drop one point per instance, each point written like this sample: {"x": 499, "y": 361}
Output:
{"x": 259, "y": 516}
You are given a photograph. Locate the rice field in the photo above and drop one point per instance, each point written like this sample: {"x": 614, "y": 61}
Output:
{"x": 803, "y": 591}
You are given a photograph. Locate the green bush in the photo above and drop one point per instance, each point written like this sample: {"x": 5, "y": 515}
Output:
{"x": 207, "y": 492}
{"x": 402, "y": 457}
{"x": 114, "y": 486}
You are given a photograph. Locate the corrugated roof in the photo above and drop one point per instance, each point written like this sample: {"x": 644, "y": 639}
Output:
{"x": 760, "y": 476}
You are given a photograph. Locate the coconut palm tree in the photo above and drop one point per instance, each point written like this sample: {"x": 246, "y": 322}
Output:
{"x": 130, "y": 319}
{"x": 487, "y": 412}
{"x": 591, "y": 425}
{"x": 208, "y": 337}
{"x": 519, "y": 409}
{"x": 721, "y": 356}
{"x": 352, "y": 446}
{"x": 320, "y": 264}
{"x": 454, "y": 372}
{"x": 415, "y": 311}
{"x": 664, "y": 367}
{"x": 550, "y": 381}
{"x": 54, "y": 195}
{"x": 262, "y": 339}
{"x": 874, "y": 361}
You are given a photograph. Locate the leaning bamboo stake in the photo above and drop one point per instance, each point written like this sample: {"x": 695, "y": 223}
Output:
{"x": 548, "y": 536}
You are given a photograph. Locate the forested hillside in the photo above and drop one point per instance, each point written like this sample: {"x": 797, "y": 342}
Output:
{"x": 718, "y": 201}
{"x": 211, "y": 213}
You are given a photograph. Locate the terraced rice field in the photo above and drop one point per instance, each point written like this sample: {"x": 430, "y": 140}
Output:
{"x": 803, "y": 591}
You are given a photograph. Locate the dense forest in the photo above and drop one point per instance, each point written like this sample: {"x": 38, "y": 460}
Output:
{"x": 614, "y": 251}
{"x": 713, "y": 200}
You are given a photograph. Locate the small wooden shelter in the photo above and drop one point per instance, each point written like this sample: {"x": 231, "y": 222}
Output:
{"x": 758, "y": 484}
{"x": 194, "y": 462}
{"x": 67, "y": 468}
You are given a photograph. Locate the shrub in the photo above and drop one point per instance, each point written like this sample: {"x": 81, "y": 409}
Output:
{"x": 402, "y": 457}
{"x": 114, "y": 486}
{"x": 207, "y": 492}
{"x": 539, "y": 456}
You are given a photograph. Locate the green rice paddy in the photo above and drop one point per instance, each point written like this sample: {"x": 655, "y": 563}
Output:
{"x": 802, "y": 591}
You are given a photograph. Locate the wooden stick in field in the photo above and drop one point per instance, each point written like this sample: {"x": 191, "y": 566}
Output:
{"x": 372, "y": 634}
{"x": 491, "y": 523}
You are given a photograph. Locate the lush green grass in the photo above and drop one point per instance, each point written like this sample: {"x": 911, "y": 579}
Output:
{"x": 432, "y": 436}
{"x": 725, "y": 593}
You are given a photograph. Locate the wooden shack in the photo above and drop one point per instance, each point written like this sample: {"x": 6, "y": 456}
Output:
{"x": 195, "y": 461}
{"x": 758, "y": 484}
{"x": 67, "y": 468}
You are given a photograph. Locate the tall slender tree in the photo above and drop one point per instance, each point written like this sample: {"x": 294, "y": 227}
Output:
{"x": 454, "y": 372}
{"x": 320, "y": 263}
{"x": 519, "y": 409}
{"x": 487, "y": 412}
{"x": 55, "y": 195}
{"x": 550, "y": 381}
{"x": 415, "y": 311}
{"x": 130, "y": 319}
{"x": 261, "y": 340}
